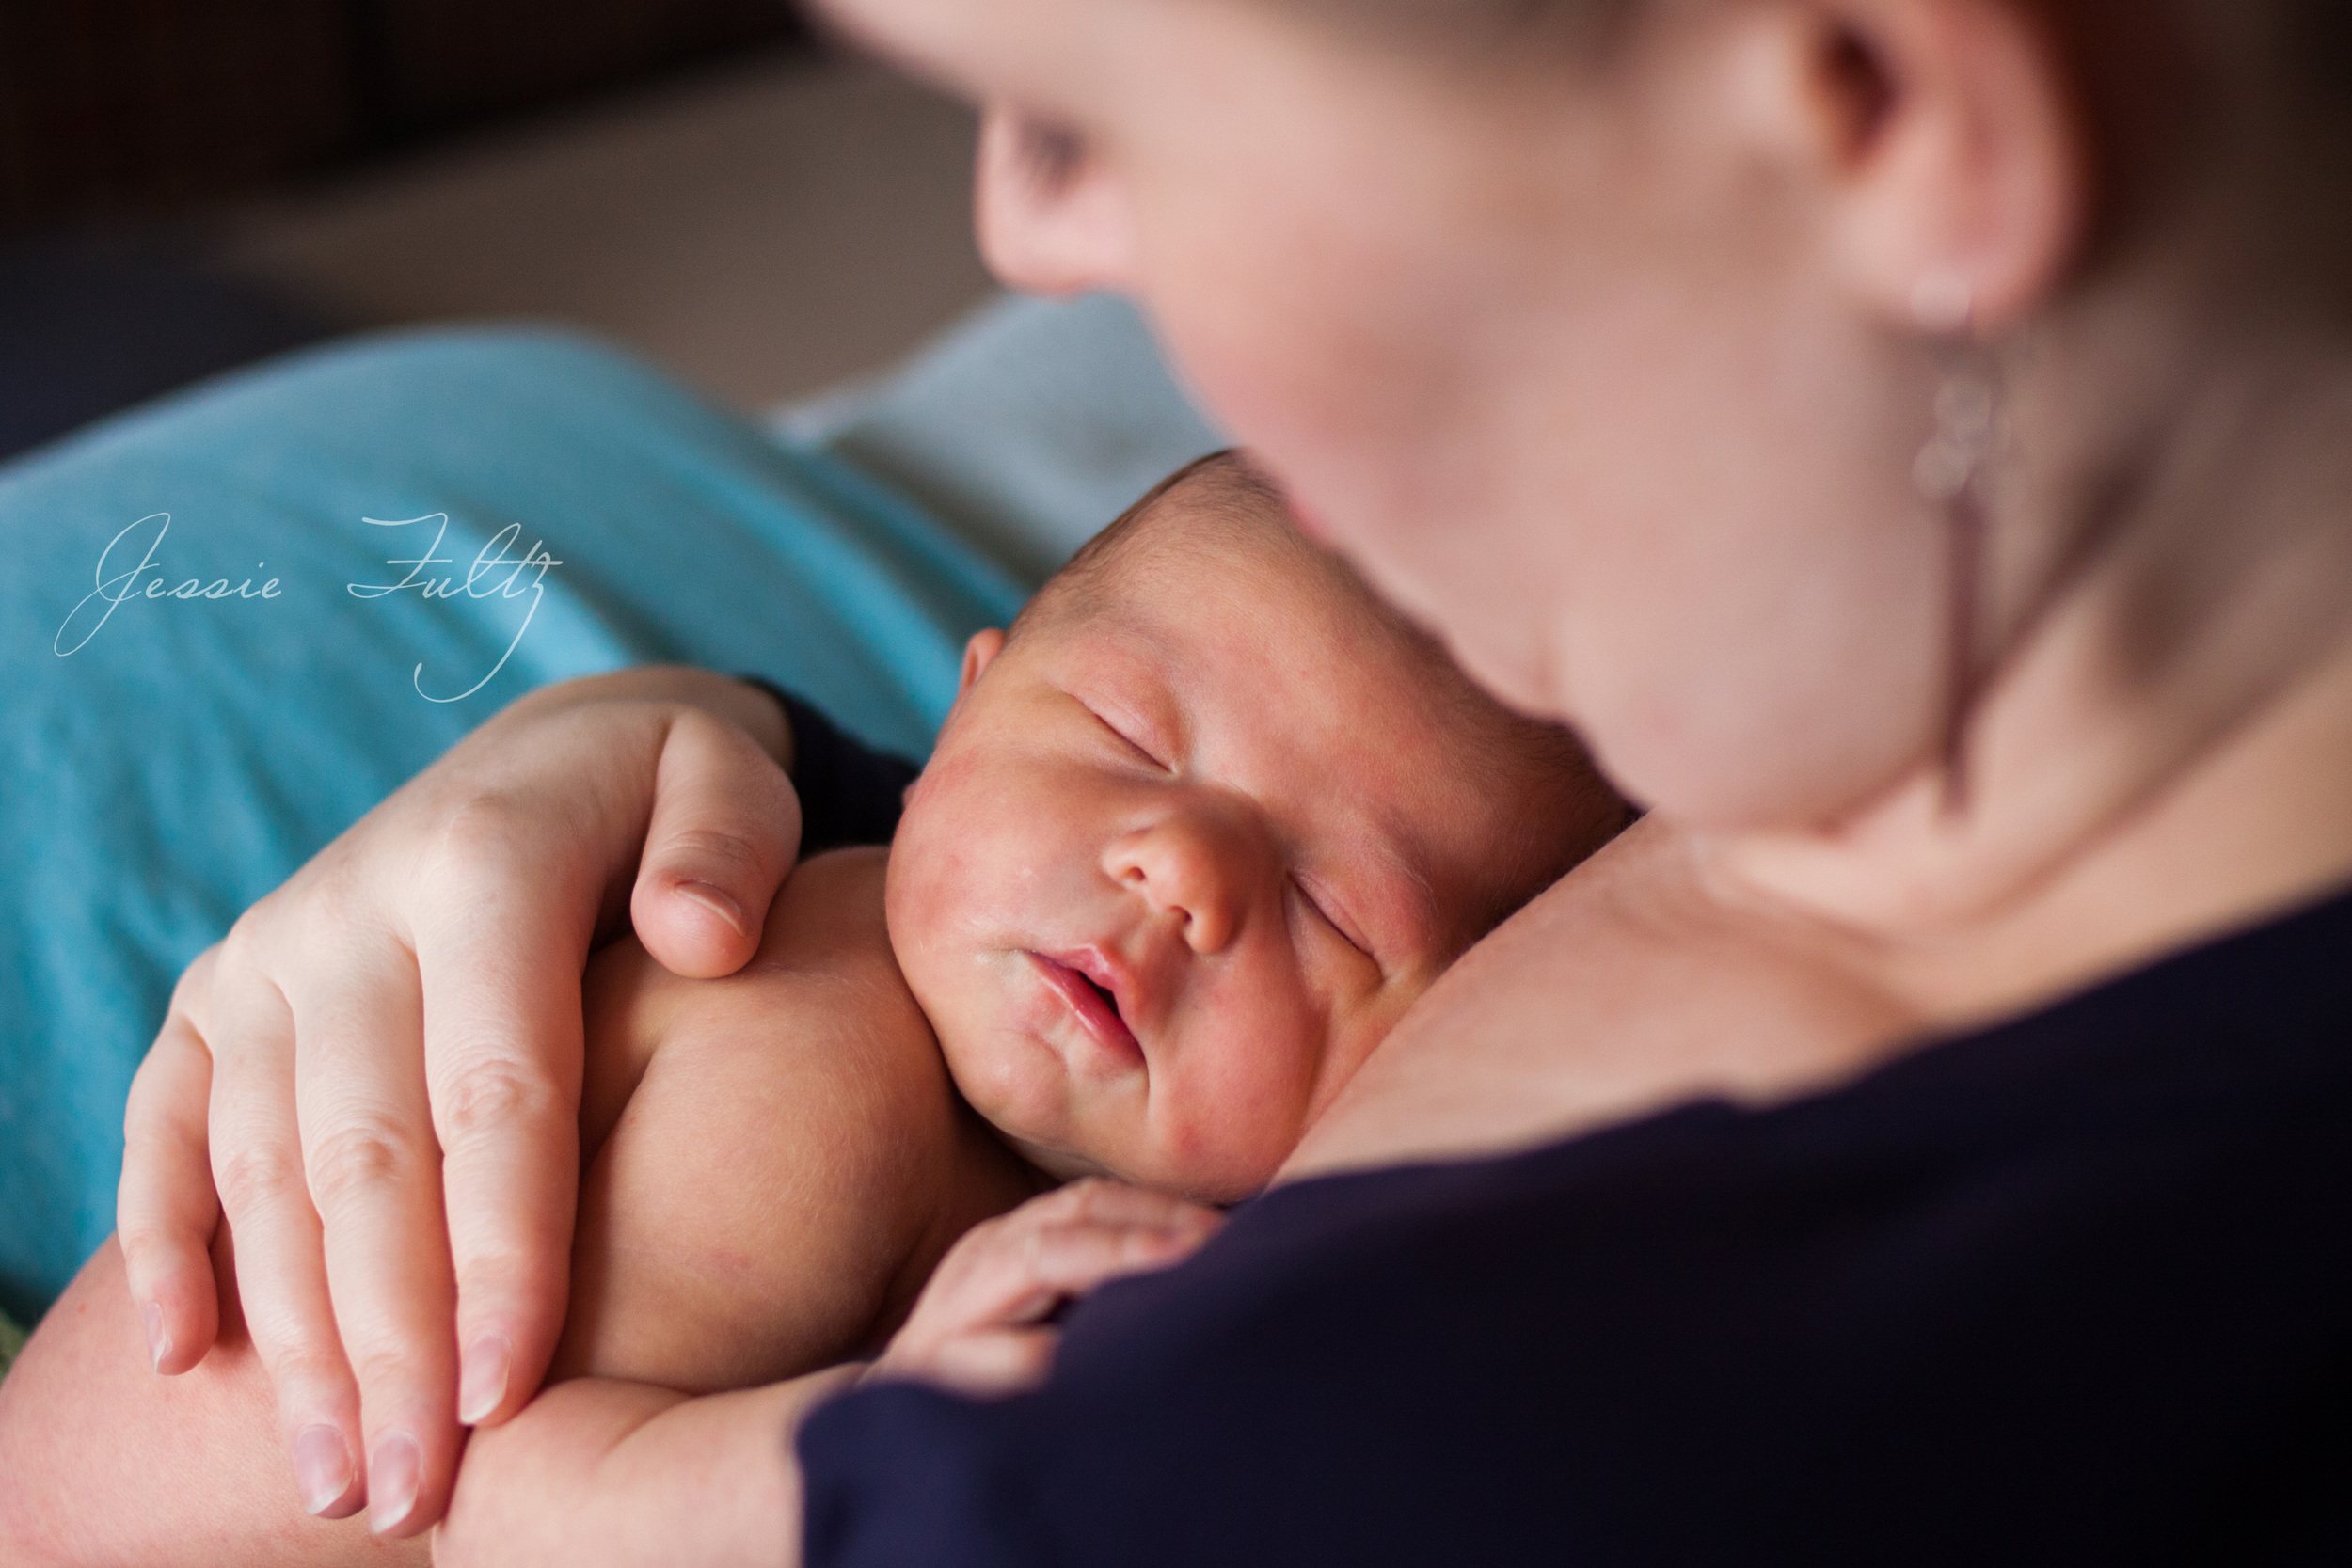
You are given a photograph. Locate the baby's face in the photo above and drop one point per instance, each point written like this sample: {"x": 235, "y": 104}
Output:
{"x": 1183, "y": 857}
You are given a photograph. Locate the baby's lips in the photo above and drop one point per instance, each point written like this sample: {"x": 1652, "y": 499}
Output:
{"x": 1100, "y": 968}
{"x": 1100, "y": 1018}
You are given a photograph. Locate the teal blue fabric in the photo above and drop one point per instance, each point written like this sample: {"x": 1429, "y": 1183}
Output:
{"x": 168, "y": 760}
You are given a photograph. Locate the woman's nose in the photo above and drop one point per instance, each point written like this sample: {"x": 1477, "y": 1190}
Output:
{"x": 1196, "y": 867}
{"x": 1053, "y": 219}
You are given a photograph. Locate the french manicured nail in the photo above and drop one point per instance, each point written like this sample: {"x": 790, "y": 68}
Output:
{"x": 718, "y": 903}
{"x": 158, "y": 1342}
{"x": 322, "y": 1462}
{"x": 482, "y": 1385}
{"x": 393, "y": 1474}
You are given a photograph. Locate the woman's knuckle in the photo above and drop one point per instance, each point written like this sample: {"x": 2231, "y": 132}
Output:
{"x": 244, "y": 948}
{"x": 195, "y": 985}
{"x": 489, "y": 1098}
{"x": 483, "y": 835}
{"x": 359, "y": 1157}
{"x": 378, "y": 1365}
{"x": 712, "y": 851}
{"x": 255, "y": 1177}
{"x": 141, "y": 1236}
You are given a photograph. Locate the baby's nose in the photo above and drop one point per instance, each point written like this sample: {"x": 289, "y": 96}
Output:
{"x": 1197, "y": 867}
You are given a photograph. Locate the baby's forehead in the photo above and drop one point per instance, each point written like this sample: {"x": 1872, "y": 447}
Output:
{"x": 1205, "y": 542}
{"x": 1213, "y": 623}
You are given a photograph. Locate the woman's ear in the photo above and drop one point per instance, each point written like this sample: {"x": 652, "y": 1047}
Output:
{"x": 978, "y": 653}
{"x": 1951, "y": 139}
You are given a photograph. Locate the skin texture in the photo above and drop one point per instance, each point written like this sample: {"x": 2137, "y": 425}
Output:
{"x": 771, "y": 1191}
{"x": 1147, "y": 790}
{"x": 343, "y": 1158}
{"x": 777, "y": 1162}
{"x": 778, "y": 1159}
{"x": 1664, "y": 330}
{"x": 1616, "y": 370}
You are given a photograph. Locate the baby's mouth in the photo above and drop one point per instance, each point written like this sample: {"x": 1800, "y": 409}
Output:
{"x": 1095, "y": 1004}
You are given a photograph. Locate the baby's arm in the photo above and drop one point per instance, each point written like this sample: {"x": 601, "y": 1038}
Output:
{"x": 779, "y": 1159}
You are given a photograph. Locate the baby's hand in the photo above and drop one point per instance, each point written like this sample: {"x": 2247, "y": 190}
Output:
{"x": 984, "y": 1326}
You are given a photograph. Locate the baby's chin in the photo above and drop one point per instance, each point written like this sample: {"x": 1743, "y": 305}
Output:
{"x": 1021, "y": 1088}
{"x": 1220, "y": 1191}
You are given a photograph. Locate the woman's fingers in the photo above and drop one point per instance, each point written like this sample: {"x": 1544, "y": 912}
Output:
{"x": 379, "y": 1069}
{"x": 164, "y": 1210}
{"x": 374, "y": 1172}
{"x": 256, "y": 1165}
{"x": 503, "y": 1028}
{"x": 725, "y": 831}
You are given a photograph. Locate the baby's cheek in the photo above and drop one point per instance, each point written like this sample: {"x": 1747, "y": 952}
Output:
{"x": 1247, "y": 1093}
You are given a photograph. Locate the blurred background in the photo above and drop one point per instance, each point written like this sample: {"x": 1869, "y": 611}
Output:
{"x": 186, "y": 185}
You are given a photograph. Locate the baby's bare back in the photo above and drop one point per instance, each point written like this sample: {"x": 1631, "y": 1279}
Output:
{"x": 774, "y": 1160}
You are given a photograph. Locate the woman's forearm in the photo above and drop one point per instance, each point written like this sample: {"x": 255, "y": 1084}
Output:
{"x": 598, "y": 1474}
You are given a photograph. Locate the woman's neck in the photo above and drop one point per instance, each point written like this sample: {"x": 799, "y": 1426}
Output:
{"x": 2161, "y": 755}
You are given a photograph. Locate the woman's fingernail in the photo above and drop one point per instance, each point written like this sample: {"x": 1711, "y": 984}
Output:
{"x": 718, "y": 903}
{"x": 392, "y": 1477}
{"x": 322, "y": 1462}
{"x": 482, "y": 1385}
{"x": 158, "y": 1342}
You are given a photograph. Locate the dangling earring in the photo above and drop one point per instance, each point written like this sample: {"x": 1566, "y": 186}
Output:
{"x": 1951, "y": 476}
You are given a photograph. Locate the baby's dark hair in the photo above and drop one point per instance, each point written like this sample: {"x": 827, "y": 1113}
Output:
{"x": 1232, "y": 498}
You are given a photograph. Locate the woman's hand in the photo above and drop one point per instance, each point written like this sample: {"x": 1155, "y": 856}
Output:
{"x": 985, "y": 1324}
{"x": 378, "y": 1069}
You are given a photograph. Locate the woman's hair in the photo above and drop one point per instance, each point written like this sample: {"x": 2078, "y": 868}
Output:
{"x": 1475, "y": 27}
{"x": 2314, "y": 37}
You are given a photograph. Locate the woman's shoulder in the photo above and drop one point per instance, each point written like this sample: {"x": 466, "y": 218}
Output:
{"x": 1627, "y": 987}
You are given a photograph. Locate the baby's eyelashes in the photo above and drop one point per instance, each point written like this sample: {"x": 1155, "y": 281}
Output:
{"x": 1332, "y": 914}
{"x": 1132, "y": 744}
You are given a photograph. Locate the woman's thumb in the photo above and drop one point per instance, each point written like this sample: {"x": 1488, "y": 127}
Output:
{"x": 725, "y": 831}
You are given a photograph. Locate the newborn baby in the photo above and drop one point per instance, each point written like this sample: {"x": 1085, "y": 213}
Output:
{"x": 1198, "y": 830}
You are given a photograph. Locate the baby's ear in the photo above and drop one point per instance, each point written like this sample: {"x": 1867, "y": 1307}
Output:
{"x": 979, "y": 655}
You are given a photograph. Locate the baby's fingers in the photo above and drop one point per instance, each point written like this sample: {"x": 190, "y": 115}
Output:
{"x": 164, "y": 1209}
{"x": 1059, "y": 1262}
{"x": 985, "y": 1365}
{"x": 1116, "y": 1203}
{"x": 1007, "y": 1278}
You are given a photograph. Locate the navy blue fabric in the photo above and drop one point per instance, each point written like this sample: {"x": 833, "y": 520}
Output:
{"x": 2077, "y": 1290}
{"x": 850, "y": 792}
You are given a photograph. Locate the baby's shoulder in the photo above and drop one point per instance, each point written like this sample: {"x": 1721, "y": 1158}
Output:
{"x": 819, "y": 1026}
{"x": 788, "y": 1155}
{"x": 826, "y": 931}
